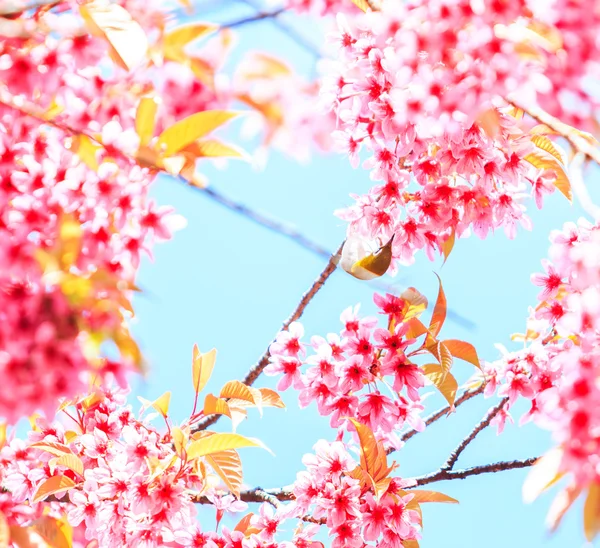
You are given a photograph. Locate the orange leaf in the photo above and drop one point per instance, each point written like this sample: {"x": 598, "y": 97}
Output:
{"x": 215, "y": 406}
{"x": 56, "y": 532}
{"x": 446, "y": 384}
{"x": 431, "y": 496}
{"x": 448, "y": 245}
{"x": 270, "y": 398}
{"x": 244, "y": 523}
{"x": 442, "y": 354}
{"x": 53, "y": 485}
{"x": 237, "y": 390}
{"x": 416, "y": 328}
{"x": 560, "y": 505}
{"x": 72, "y": 462}
{"x": 591, "y": 512}
{"x": 228, "y": 465}
{"x": 463, "y": 351}
{"x": 362, "y": 5}
{"x": 373, "y": 455}
{"x": 439, "y": 312}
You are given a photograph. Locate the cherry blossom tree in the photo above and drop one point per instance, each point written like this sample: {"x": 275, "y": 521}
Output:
{"x": 463, "y": 114}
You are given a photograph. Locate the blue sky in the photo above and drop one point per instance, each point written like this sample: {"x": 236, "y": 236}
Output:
{"x": 224, "y": 282}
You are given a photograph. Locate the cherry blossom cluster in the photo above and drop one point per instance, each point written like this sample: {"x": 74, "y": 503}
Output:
{"x": 420, "y": 86}
{"x": 351, "y": 373}
{"x": 132, "y": 489}
{"x": 43, "y": 180}
{"x": 354, "y": 515}
{"x": 559, "y": 369}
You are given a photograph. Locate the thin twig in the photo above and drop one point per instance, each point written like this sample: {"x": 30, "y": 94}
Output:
{"x": 257, "y": 369}
{"x": 260, "y": 16}
{"x": 484, "y": 423}
{"x": 575, "y": 138}
{"x": 447, "y": 475}
{"x": 467, "y": 395}
{"x": 290, "y": 32}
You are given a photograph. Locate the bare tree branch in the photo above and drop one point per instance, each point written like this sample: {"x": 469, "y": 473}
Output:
{"x": 466, "y": 396}
{"x": 447, "y": 475}
{"x": 484, "y": 423}
{"x": 260, "y": 16}
{"x": 255, "y": 371}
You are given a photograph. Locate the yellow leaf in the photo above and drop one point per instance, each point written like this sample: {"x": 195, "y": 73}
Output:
{"x": 591, "y": 512}
{"x": 409, "y": 543}
{"x": 215, "y": 406}
{"x": 2, "y": 435}
{"x": 545, "y": 144}
{"x": 543, "y": 474}
{"x": 52, "y": 486}
{"x": 56, "y": 532}
{"x": 72, "y": 462}
{"x": 69, "y": 240}
{"x": 202, "y": 367}
{"x": 262, "y": 66}
{"x": 237, "y": 390}
{"x": 220, "y": 442}
{"x": 4, "y": 532}
{"x": 53, "y": 110}
{"x": 87, "y": 150}
{"x": 445, "y": 383}
{"x": 175, "y": 41}
{"x": 211, "y": 148}
{"x": 417, "y": 303}
{"x": 186, "y": 131}
{"x": 145, "y": 119}
{"x": 270, "y": 398}
{"x": 463, "y": 351}
{"x": 52, "y": 447}
{"x": 179, "y": 440}
{"x": 362, "y": 5}
{"x": 439, "y": 312}
{"x": 421, "y": 496}
{"x": 228, "y": 465}
{"x": 162, "y": 403}
{"x": 544, "y": 160}
{"x": 126, "y": 38}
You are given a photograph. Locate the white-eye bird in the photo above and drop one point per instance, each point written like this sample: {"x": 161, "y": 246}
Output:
{"x": 360, "y": 261}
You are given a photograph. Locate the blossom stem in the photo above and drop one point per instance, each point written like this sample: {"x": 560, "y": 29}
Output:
{"x": 484, "y": 423}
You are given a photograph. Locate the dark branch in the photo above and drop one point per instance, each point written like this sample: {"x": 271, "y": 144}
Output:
{"x": 467, "y": 395}
{"x": 260, "y": 16}
{"x": 447, "y": 475}
{"x": 257, "y": 369}
{"x": 484, "y": 423}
